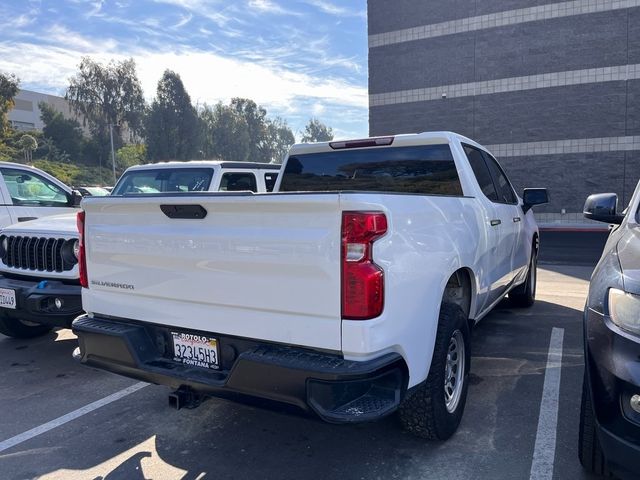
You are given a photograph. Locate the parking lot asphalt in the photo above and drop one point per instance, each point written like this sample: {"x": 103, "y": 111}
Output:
{"x": 138, "y": 436}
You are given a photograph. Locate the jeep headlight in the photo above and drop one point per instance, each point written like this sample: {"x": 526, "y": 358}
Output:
{"x": 69, "y": 252}
{"x": 624, "y": 310}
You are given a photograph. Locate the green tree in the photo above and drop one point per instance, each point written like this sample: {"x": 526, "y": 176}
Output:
{"x": 254, "y": 117}
{"x": 241, "y": 131}
{"x": 65, "y": 134}
{"x": 172, "y": 129}
{"x": 316, "y": 131}
{"x": 130, "y": 155}
{"x": 28, "y": 145}
{"x": 279, "y": 138}
{"x": 8, "y": 90}
{"x": 107, "y": 95}
{"x": 225, "y": 134}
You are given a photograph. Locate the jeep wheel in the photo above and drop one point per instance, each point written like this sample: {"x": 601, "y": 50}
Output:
{"x": 433, "y": 409}
{"x": 22, "y": 328}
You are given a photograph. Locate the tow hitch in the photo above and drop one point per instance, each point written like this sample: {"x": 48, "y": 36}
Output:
{"x": 185, "y": 397}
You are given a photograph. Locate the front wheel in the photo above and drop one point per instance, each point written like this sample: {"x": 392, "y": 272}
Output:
{"x": 525, "y": 295}
{"x": 589, "y": 450}
{"x": 21, "y": 328}
{"x": 433, "y": 409}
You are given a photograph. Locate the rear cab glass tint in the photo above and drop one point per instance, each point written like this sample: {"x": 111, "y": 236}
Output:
{"x": 425, "y": 169}
{"x": 238, "y": 182}
{"x": 161, "y": 180}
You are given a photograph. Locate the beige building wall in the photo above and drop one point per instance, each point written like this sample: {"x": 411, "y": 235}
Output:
{"x": 25, "y": 115}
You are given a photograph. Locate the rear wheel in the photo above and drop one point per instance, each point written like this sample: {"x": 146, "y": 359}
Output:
{"x": 22, "y": 328}
{"x": 589, "y": 450}
{"x": 433, "y": 409}
{"x": 525, "y": 295}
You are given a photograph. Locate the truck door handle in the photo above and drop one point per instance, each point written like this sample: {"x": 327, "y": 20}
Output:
{"x": 516, "y": 219}
{"x": 496, "y": 222}
{"x": 26, "y": 219}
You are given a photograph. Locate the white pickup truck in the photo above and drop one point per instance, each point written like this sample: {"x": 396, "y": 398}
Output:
{"x": 349, "y": 293}
{"x": 39, "y": 282}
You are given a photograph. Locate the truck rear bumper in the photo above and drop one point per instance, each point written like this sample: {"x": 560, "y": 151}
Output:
{"x": 337, "y": 390}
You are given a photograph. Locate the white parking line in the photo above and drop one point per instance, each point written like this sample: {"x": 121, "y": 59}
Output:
{"x": 45, "y": 427}
{"x": 545, "y": 448}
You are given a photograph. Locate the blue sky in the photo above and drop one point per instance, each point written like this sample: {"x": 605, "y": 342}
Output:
{"x": 297, "y": 58}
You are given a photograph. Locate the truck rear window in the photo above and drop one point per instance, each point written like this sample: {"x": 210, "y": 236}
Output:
{"x": 164, "y": 180}
{"x": 425, "y": 169}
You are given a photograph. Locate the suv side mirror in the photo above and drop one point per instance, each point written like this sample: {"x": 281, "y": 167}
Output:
{"x": 603, "y": 207}
{"x": 76, "y": 198}
{"x": 534, "y": 196}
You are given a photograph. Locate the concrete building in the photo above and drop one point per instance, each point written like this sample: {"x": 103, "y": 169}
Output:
{"x": 552, "y": 88}
{"x": 25, "y": 114}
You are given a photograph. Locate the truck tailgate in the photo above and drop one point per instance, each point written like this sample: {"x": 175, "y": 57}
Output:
{"x": 263, "y": 266}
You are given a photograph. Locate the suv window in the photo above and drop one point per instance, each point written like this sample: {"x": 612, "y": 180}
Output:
{"x": 164, "y": 180}
{"x": 426, "y": 169}
{"x": 30, "y": 189}
{"x": 481, "y": 172}
{"x": 505, "y": 191}
{"x": 270, "y": 181}
{"x": 238, "y": 182}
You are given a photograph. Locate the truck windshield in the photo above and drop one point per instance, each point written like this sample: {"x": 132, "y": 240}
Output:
{"x": 426, "y": 169}
{"x": 162, "y": 180}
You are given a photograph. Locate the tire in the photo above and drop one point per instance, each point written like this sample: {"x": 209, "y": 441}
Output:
{"x": 589, "y": 451}
{"x": 524, "y": 296}
{"x": 425, "y": 412}
{"x": 21, "y": 329}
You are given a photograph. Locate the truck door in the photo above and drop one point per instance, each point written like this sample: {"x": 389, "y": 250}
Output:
{"x": 511, "y": 216}
{"x": 493, "y": 260}
{"x": 31, "y": 195}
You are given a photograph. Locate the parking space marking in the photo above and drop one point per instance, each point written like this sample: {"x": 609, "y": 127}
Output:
{"x": 545, "y": 446}
{"x": 45, "y": 427}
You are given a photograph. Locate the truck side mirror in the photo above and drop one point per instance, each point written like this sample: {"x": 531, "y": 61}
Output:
{"x": 534, "y": 196}
{"x": 76, "y": 198}
{"x": 603, "y": 207}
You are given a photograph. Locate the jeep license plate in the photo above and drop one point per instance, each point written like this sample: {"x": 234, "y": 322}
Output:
{"x": 7, "y": 298}
{"x": 195, "y": 350}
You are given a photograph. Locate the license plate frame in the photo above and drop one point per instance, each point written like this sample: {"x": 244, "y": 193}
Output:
{"x": 196, "y": 350}
{"x": 8, "y": 298}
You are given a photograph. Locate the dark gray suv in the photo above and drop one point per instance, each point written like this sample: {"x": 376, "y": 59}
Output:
{"x": 610, "y": 417}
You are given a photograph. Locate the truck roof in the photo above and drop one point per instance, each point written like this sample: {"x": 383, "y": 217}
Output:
{"x": 207, "y": 163}
{"x": 402, "y": 140}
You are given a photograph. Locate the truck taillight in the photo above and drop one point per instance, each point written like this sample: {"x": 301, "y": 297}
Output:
{"x": 362, "y": 279}
{"x": 82, "y": 258}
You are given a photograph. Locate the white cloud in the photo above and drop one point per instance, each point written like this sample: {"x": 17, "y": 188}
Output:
{"x": 213, "y": 10}
{"x": 295, "y": 73}
{"x": 317, "y": 109}
{"x": 268, "y": 6}
{"x": 332, "y": 9}
{"x": 184, "y": 19}
{"x": 208, "y": 77}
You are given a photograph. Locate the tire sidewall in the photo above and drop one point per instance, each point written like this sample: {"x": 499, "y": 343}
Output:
{"x": 452, "y": 320}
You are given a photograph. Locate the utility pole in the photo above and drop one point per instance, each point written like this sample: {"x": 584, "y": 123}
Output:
{"x": 113, "y": 154}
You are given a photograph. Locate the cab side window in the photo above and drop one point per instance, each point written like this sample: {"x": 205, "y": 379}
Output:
{"x": 270, "y": 181}
{"x": 481, "y": 171}
{"x": 505, "y": 191}
{"x": 30, "y": 189}
{"x": 238, "y": 182}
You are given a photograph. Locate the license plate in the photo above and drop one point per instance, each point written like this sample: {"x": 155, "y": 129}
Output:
{"x": 7, "y": 298}
{"x": 195, "y": 350}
